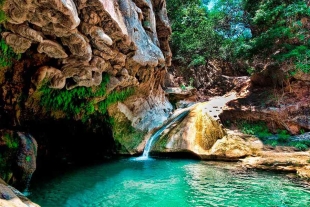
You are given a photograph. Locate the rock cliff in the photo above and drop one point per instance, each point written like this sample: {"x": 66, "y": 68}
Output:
{"x": 102, "y": 45}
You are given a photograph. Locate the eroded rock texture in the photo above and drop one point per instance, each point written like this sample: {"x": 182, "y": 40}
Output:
{"x": 202, "y": 134}
{"x": 73, "y": 43}
{"x": 90, "y": 37}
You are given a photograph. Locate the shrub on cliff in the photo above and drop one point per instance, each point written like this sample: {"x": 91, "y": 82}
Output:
{"x": 81, "y": 102}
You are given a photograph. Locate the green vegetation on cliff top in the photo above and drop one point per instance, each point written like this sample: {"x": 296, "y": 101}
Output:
{"x": 241, "y": 30}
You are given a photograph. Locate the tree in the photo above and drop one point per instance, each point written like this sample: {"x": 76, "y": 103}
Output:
{"x": 194, "y": 39}
{"x": 280, "y": 32}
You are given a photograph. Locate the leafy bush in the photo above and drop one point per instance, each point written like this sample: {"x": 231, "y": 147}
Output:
{"x": 302, "y": 131}
{"x": 274, "y": 143}
{"x": 197, "y": 60}
{"x": 183, "y": 87}
{"x": 301, "y": 146}
{"x": 259, "y": 129}
{"x": 278, "y": 32}
{"x": 283, "y": 135}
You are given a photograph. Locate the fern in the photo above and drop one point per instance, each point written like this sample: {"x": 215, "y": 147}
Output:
{"x": 80, "y": 101}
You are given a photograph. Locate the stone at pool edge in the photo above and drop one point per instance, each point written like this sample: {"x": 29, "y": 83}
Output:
{"x": 297, "y": 162}
{"x": 11, "y": 197}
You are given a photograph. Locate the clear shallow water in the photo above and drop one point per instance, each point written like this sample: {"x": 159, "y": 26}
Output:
{"x": 168, "y": 183}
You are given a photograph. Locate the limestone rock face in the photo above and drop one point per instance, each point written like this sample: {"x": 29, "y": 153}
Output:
{"x": 281, "y": 161}
{"x": 102, "y": 36}
{"x": 202, "y": 134}
{"x": 76, "y": 42}
{"x": 197, "y": 132}
{"x": 233, "y": 146}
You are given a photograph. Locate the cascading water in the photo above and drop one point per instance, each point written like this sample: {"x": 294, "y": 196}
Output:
{"x": 154, "y": 137}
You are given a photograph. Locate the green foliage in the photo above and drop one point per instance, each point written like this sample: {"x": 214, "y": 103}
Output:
{"x": 274, "y": 143}
{"x": 28, "y": 158}
{"x": 197, "y": 60}
{"x": 183, "y": 87}
{"x": 259, "y": 129}
{"x": 80, "y": 101}
{"x": 7, "y": 55}
{"x": 194, "y": 39}
{"x": 241, "y": 30}
{"x": 10, "y": 141}
{"x": 113, "y": 98}
{"x": 126, "y": 134}
{"x": 283, "y": 135}
{"x": 278, "y": 32}
{"x": 2, "y": 14}
{"x": 301, "y": 146}
{"x": 250, "y": 70}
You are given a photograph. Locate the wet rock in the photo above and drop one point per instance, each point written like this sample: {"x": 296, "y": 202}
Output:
{"x": 197, "y": 133}
{"x": 26, "y": 159}
{"x": 11, "y": 197}
{"x": 81, "y": 40}
{"x": 234, "y": 147}
{"x": 18, "y": 153}
{"x": 297, "y": 162}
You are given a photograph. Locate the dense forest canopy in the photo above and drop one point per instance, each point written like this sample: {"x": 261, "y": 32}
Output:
{"x": 241, "y": 30}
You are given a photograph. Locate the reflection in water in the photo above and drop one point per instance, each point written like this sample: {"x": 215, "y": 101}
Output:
{"x": 173, "y": 183}
{"x": 228, "y": 188}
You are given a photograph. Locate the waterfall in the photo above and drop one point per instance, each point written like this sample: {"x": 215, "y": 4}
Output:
{"x": 156, "y": 135}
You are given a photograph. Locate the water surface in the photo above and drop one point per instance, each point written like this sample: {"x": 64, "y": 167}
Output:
{"x": 171, "y": 183}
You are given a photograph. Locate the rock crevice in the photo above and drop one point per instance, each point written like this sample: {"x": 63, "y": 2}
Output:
{"x": 101, "y": 36}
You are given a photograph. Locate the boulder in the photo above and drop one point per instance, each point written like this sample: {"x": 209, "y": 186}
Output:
{"x": 11, "y": 197}
{"x": 297, "y": 162}
{"x": 18, "y": 154}
{"x": 201, "y": 133}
